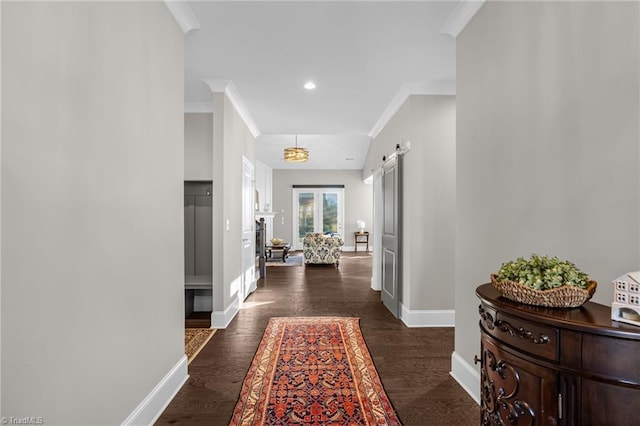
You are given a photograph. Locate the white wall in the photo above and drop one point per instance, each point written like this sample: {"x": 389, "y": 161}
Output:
{"x": 231, "y": 141}
{"x": 548, "y": 144}
{"x": 92, "y": 215}
{"x": 218, "y": 200}
{"x": 198, "y": 166}
{"x": 428, "y": 122}
{"x": 238, "y": 142}
{"x": 198, "y": 146}
{"x": 358, "y": 199}
{"x": 264, "y": 186}
{"x": 0, "y": 211}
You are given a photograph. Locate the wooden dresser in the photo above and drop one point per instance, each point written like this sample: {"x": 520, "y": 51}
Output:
{"x": 547, "y": 366}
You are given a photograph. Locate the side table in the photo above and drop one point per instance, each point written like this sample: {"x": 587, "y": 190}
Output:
{"x": 284, "y": 248}
{"x": 361, "y": 238}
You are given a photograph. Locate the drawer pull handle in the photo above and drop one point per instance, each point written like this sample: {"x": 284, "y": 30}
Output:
{"x": 476, "y": 360}
{"x": 522, "y": 333}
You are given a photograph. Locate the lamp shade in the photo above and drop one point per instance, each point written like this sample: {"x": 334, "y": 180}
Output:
{"x": 294, "y": 154}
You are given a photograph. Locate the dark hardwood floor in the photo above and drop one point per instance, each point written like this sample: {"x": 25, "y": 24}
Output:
{"x": 413, "y": 363}
{"x": 198, "y": 320}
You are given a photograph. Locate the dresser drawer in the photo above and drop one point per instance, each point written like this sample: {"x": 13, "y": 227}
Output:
{"x": 523, "y": 335}
{"x": 611, "y": 358}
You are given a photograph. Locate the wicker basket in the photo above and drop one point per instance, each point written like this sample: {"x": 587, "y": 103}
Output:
{"x": 567, "y": 296}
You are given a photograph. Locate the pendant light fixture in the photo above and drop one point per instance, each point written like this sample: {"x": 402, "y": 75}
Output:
{"x": 295, "y": 154}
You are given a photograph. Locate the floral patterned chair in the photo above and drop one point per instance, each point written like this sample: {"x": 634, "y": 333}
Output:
{"x": 322, "y": 248}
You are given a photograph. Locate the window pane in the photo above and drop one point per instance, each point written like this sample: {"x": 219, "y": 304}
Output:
{"x": 305, "y": 214}
{"x": 389, "y": 202}
{"x": 329, "y": 212}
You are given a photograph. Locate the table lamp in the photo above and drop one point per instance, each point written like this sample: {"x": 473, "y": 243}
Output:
{"x": 360, "y": 224}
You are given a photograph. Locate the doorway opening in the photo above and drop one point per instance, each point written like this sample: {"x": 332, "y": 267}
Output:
{"x": 316, "y": 209}
{"x": 198, "y": 249}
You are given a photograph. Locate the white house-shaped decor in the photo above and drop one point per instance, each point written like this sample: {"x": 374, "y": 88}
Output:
{"x": 626, "y": 299}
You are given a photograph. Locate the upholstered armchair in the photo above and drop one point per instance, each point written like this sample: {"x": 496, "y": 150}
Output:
{"x": 321, "y": 248}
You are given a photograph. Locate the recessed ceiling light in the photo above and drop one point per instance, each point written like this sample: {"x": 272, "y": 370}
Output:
{"x": 350, "y": 159}
{"x": 309, "y": 85}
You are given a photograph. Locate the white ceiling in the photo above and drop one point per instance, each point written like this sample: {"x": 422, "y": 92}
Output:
{"x": 360, "y": 55}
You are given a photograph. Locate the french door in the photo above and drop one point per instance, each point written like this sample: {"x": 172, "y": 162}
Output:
{"x": 316, "y": 210}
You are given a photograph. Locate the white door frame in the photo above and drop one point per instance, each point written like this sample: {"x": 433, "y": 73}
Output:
{"x": 376, "y": 278}
{"x": 248, "y": 282}
{"x": 317, "y": 191}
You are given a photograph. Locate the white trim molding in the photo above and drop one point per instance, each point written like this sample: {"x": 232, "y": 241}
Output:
{"x": 466, "y": 376}
{"x": 183, "y": 15}
{"x": 228, "y": 88}
{"x": 150, "y": 409}
{"x": 427, "y": 318}
{"x": 461, "y": 16}
{"x": 360, "y": 249}
{"x": 254, "y": 283}
{"x": 375, "y": 285}
{"x": 198, "y": 107}
{"x": 221, "y": 319}
{"x": 406, "y": 90}
{"x": 217, "y": 85}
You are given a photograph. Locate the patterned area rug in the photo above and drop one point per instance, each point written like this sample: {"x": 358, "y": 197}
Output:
{"x": 292, "y": 260}
{"x": 195, "y": 339}
{"x": 313, "y": 371}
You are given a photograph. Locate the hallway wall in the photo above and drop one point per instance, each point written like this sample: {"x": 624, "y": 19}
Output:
{"x": 92, "y": 210}
{"x": 198, "y": 150}
{"x": 548, "y": 144}
{"x": 231, "y": 141}
{"x": 428, "y": 122}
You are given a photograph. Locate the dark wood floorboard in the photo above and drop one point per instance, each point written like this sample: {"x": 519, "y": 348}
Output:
{"x": 413, "y": 363}
{"x": 198, "y": 320}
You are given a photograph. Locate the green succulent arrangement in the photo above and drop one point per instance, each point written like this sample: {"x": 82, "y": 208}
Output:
{"x": 543, "y": 272}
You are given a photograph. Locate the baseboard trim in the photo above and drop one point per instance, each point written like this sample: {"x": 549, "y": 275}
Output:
{"x": 375, "y": 285}
{"x": 150, "y": 409}
{"x": 221, "y": 319}
{"x": 254, "y": 285}
{"x": 427, "y": 318}
{"x": 466, "y": 376}
{"x": 360, "y": 249}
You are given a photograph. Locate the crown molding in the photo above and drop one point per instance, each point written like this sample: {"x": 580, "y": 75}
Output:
{"x": 183, "y": 15}
{"x": 198, "y": 107}
{"x": 406, "y": 90}
{"x": 217, "y": 85}
{"x": 228, "y": 88}
{"x": 461, "y": 16}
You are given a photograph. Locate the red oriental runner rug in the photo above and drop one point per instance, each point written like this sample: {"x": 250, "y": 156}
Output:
{"x": 313, "y": 371}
